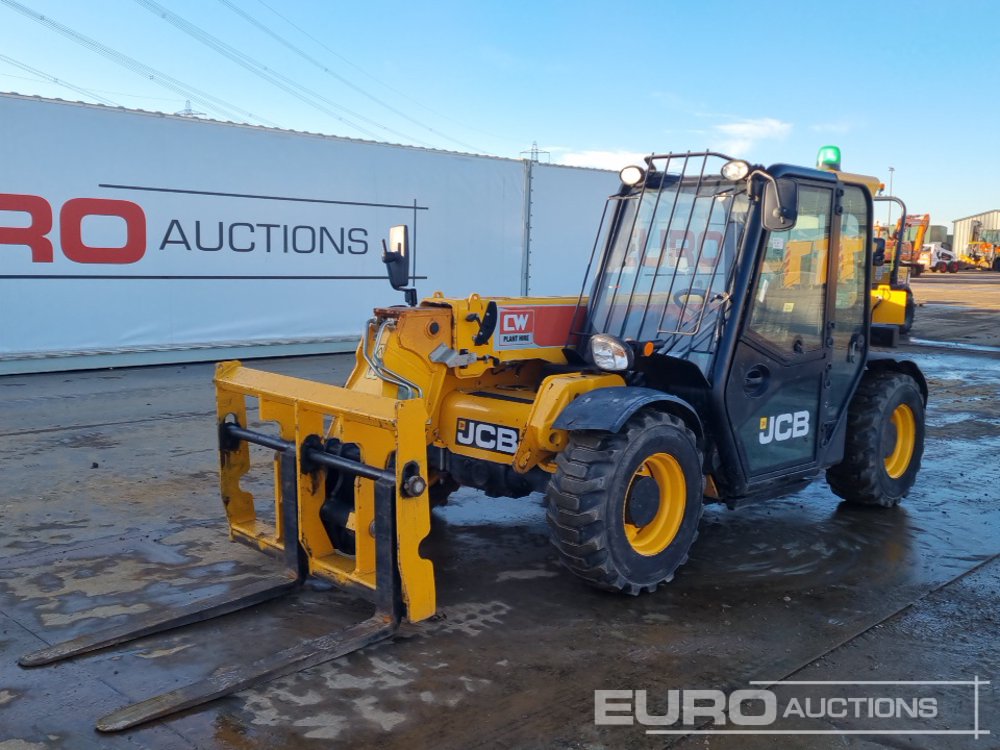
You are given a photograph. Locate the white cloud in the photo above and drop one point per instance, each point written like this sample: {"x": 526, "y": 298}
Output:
{"x": 741, "y": 136}
{"x": 613, "y": 160}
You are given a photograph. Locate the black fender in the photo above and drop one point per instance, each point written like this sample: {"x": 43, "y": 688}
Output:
{"x": 609, "y": 409}
{"x": 884, "y": 361}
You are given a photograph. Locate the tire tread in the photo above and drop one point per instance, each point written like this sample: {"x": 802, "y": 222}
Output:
{"x": 577, "y": 498}
{"x": 857, "y": 478}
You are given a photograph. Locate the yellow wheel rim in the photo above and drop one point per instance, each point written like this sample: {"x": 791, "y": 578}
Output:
{"x": 656, "y": 535}
{"x": 898, "y": 460}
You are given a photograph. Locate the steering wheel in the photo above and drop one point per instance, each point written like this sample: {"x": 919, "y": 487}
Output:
{"x": 687, "y": 296}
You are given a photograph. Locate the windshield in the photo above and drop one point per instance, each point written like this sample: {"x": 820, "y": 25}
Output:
{"x": 667, "y": 271}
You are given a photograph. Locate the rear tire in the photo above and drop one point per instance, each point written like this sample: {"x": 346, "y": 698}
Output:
{"x": 885, "y": 441}
{"x": 953, "y": 266}
{"x": 623, "y": 508}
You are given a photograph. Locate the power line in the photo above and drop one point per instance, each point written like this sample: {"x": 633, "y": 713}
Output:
{"x": 138, "y": 96}
{"x": 286, "y": 84}
{"x": 309, "y": 58}
{"x": 103, "y": 91}
{"x": 161, "y": 79}
{"x": 393, "y": 89}
{"x": 58, "y": 81}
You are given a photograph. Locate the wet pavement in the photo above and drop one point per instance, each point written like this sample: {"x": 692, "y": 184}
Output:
{"x": 110, "y": 507}
{"x": 958, "y": 309}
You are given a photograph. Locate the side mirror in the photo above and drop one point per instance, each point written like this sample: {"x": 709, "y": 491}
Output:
{"x": 781, "y": 204}
{"x": 878, "y": 252}
{"x": 397, "y": 256}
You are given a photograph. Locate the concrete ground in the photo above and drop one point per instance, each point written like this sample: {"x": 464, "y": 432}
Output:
{"x": 963, "y": 307}
{"x": 110, "y": 507}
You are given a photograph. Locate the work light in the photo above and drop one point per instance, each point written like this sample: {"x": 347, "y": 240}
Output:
{"x": 737, "y": 169}
{"x": 632, "y": 175}
{"x": 610, "y": 353}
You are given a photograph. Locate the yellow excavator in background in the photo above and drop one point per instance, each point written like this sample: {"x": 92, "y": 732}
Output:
{"x": 914, "y": 236}
{"x": 979, "y": 255}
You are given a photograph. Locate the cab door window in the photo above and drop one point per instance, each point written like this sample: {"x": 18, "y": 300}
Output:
{"x": 851, "y": 296}
{"x": 790, "y": 297}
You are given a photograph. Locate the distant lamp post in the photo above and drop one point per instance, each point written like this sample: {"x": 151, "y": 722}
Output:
{"x": 889, "y": 220}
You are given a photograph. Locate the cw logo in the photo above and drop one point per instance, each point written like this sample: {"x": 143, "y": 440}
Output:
{"x": 783, "y": 427}
{"x": 517, "y": 321}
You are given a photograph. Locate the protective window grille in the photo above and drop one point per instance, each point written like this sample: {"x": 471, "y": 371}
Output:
{"x": 667, "y": 252}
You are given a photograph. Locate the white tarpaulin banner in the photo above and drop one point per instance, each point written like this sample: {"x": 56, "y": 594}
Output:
{"x": 566, "y": 207}
{"x": 128, "y": 231}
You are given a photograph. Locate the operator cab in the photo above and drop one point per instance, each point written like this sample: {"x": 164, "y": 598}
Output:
{"x": 744, "y": 291}
{"x": 668, "y": 268}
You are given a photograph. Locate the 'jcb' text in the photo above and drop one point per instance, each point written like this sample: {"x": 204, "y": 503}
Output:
{"x": 783, "y": 427}
{"x": 491, "y": 437}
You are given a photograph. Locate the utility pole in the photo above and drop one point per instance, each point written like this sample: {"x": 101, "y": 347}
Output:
{"x": 534, "y": 153}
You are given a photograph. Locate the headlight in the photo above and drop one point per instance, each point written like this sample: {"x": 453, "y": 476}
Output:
{"x": 631, "y": 175}
{"x": 736, "y": 169}
{"x": 608, "y": 353}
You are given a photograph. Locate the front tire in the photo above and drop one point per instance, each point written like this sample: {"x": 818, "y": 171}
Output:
{"x": 623, "y": 508}
{"x": 885, "y": 441}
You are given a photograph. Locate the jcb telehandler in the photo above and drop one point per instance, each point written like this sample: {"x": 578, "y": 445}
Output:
{"x": 719, "y": 350}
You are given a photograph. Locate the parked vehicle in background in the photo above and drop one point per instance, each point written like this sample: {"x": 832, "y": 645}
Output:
{"x": 981, "y": 254}
{"x": 914, "y": 233}
{"x": 937, "y": 256}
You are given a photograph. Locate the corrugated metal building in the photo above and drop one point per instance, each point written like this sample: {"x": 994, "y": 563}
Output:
{"x": 988, "y": 221}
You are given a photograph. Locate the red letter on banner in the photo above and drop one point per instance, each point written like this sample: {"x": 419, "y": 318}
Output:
{"x": 70, "y": 230}
{"x": 32, "y": 235}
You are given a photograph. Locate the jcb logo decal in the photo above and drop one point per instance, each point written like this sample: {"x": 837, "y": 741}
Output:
{"x": 783, "y": 427}
{"x": 491, "y": 437}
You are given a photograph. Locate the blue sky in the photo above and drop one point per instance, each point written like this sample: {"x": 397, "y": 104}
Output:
{"x": 905, "y": 84}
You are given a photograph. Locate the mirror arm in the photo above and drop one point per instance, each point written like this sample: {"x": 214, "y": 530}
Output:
{"x": 774, "y": 183}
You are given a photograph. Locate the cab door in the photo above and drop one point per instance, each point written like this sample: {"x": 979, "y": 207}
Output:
{"x": 775, "y": 394}
{"x": 849, "y": 311}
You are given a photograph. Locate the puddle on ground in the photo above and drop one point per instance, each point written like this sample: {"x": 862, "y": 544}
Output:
{"x": 955, "y": 345}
